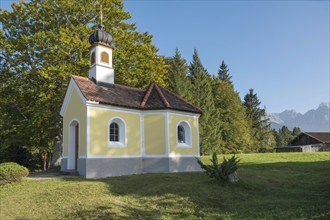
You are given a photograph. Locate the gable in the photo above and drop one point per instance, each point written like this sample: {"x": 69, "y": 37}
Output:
{"x": 67, "y": 98}
{"x": 154, "y": 101}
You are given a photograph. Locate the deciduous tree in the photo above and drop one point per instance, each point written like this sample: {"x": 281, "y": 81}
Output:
{"x": 42, "y": 43}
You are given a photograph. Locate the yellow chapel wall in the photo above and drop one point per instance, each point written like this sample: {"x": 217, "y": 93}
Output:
{"x": 76, "y": 109}
{"x": 98, "y": 130}
{"x": 154, "y": 134}
{"x": 174, "y": 119}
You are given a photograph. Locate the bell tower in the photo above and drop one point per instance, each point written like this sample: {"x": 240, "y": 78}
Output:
{"x": 101, "y": 69}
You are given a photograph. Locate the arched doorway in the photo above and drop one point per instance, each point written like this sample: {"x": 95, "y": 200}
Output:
{"x": 73, "y": 145}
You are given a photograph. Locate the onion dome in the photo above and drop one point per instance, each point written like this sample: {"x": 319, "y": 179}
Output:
{"x": 100, "y": 36}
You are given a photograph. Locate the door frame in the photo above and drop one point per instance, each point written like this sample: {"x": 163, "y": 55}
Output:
{"x": 73, "y": 144}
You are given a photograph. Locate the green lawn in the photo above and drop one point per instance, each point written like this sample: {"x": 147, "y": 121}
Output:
{"x": 272, "y": 186}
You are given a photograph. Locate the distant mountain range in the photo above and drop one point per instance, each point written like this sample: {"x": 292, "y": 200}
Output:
{"x": 313, "y": 120}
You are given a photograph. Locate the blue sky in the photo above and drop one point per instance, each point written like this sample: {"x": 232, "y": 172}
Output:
{"x": 278, "y": 48}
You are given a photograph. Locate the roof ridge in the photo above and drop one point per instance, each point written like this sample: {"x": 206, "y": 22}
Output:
{"x": 164, "y": 100}
{"x": 177, "y": 96}
{"x": 130, "y": 87}
{"x": 146, "y": 97}
{"x": 120, "y": 85}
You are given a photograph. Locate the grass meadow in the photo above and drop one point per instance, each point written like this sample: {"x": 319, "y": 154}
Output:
{"x": 272, "y": 186}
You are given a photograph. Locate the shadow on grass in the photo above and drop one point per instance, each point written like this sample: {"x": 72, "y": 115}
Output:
{"x": 273, "y": 190}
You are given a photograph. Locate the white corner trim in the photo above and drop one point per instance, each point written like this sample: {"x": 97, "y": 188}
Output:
{"x": 167, "y": 133}
{"x": 142, "y": 133}
{"x": 67, "y": 98}
{"x": 63, "y": 144}
{"x": 198, "y": 147}
{"x": 87, "y": 132}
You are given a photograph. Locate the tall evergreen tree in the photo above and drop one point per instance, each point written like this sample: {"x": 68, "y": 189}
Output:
{"x": 235, "y": 130}
{"x": 177, "y": 77}
{"x": 262, "y": 133}
{"x": 202, "y": 98}
{"x": 285, "y": 136}
{"x": 254, "y": 113}
{"x": 295, "y": 132}
{"x": 277, "y": 137}
{"x": 42, "y": 43}
{"x": 223, "y": 73}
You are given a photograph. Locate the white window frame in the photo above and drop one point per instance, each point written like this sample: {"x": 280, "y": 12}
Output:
{"x": 122, "y": 133}
{"x": 187, "y": 135}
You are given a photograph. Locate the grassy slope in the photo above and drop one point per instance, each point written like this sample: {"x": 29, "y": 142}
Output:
{"x": 272, "y": 186}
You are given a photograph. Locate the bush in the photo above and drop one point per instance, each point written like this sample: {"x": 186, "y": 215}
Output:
{"x": 12, "y": 172}
{"x": 224, "y": 172}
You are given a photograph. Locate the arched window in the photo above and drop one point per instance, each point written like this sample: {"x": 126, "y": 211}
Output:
{"x": 105, "y": 57}
{"x": 92, "y": 58}
{"x": 183, "y": 134}
{"x": 117, "y": 133}
{"x": 114, "y": 132}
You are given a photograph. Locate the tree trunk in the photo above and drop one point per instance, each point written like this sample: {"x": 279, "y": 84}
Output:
{"x": 57, "y": 152}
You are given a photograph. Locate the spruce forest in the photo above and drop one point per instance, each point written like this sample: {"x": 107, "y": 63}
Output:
{"x": 44, "y": 42}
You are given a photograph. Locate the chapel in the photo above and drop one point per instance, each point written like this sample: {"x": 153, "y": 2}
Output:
{"x": 112, "y": 130}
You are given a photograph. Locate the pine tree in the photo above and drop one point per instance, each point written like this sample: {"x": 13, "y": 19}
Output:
{"x": 254, "y": 113}
{"x": 177, "y": 79}
{"x": 285, "y": 136}
{"x": 296, "y": 132}
{"x": 235, "y": 130}
{"x": 202, "y": 98}
{"x": 262, "y": 133}
{"x": 277, "y": 137}
{"x": 223, "y": 73}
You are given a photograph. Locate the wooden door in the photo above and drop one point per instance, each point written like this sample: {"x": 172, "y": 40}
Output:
{"x": 76, "y": 146}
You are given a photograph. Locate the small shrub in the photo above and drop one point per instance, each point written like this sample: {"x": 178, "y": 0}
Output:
{"x": 12, "y": 172}
{"x": 224, "y": 172}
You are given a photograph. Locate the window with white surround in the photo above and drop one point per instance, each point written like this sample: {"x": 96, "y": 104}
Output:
{"x": 183, "y": 134}
{"x": 117, "y": 133}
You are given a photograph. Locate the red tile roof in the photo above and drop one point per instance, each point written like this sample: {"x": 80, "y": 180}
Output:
{"x": 153, "y": 97}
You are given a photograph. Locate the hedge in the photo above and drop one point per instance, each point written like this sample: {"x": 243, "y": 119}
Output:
{"x": 12, "y": 172}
